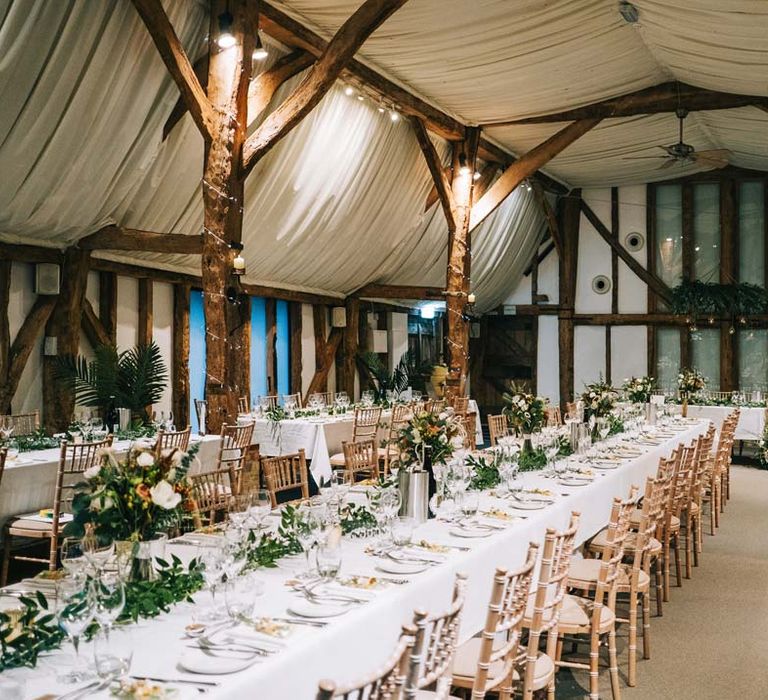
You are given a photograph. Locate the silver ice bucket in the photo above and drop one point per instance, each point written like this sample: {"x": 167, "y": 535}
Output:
{"x": 124, "y": 417}
{"x": 650, "y": 413}
{"x": 414, "y": 494}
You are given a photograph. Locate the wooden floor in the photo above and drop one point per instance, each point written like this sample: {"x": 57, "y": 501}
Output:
{"x": 712, "y": 643}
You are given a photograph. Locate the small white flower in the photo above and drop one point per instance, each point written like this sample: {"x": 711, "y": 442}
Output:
{"x": 164, "y": 496}
{"x": 145, "y": 459}
{"x": 92, "y": 472}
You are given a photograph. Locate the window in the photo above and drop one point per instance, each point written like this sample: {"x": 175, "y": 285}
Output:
{"x": 705, "y": 355}
{"x": 669, "y": 234}
{"x": 752, "y": 233}
{"x": 706, "y": 232}
{"x": 668, "y": 357}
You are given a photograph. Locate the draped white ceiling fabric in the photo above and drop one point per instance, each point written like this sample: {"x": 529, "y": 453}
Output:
{"x": 339, "y": 202}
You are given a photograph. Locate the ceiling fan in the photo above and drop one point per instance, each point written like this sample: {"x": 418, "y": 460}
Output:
{"x": 683, "y": 153}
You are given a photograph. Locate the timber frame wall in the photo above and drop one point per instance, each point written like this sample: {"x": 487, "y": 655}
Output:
{"x": 563, "y": 238}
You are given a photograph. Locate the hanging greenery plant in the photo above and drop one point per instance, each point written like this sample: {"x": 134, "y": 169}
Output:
{"x": 702, "y": 298}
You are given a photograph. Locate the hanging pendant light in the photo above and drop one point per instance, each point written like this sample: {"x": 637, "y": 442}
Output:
{"x": 259, "y": 52}
{"x": 464, "y": 169}
{"x": 226, "y": 38}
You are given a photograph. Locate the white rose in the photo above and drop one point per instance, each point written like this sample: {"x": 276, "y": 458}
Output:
{"x": 164, "y": 496}
{"x": 177, "y": 458}
{"x": 145, "y": 459}
{"x": 92, "y": 472}
{"x": 457, "y": 443}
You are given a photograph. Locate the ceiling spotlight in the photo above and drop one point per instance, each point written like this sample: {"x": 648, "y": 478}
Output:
{"x": 349, "y": 91}
{"x": 381, "y": 109}
{"x": 361, "y": 97}
{"x": 629, "y": 12}
{"x": 476, "y": 175}
{"x": 226, "y": 39}
{"x": 259, "y": 52}
{"x": 463, "y": 167}
{"x": 394, "y": 115}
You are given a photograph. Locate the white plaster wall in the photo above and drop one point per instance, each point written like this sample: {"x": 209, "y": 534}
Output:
{"x": 521, "y": 293}
{"x": 548, "y": 277}
{"x": 594, "y": 255}
{"x": 589, "y": 355}
{"x": 397, "y": 337}
{"x": 162, "y": 333}
{"x": 629, "y": 353}
{"x": 548, "y": 359}
{"x": 633, "y": 294}
{"x": 307, "y": 346}
{"x": 127, "y": 312}
{"x": 29, "y": 395}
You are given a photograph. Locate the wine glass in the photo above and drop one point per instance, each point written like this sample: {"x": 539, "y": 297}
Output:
{"x": 307, "y": 527}
{"x": 73, "y": 557}
{"x": 289, "y": 403}
{"x": 212, "y": 560}
{"x": 97, "y": 549}
{"x": 74, "y": 611}
{"x": 169, "y": 424}
{"x": 261, "y": 507}
{"x": 109, "y": 600}
{"x": 239, "y": 510}
{"x": 367, "y": 398}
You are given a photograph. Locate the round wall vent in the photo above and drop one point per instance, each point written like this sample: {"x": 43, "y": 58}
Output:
{"x": 634, "y": 241}
{"x": 601, "y": 284}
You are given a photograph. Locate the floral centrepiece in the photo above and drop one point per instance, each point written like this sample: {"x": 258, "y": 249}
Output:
{"x": 599, "y": 399}
{"x": 525, "y": 412}
{"x": 691, "y": 381}
{"x": 439, "y": 435}
{"x": 639, "y": 389}
{"x": 135, "y": 499}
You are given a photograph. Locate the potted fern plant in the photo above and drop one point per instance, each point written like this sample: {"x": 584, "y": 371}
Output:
{"x": 133, "y": 379}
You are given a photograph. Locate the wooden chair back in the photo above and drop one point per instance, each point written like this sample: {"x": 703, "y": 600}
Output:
{"x": 242, "y": 405}
{"x": 22, "y": 423}
{"x": 328, "y": 396}
{"x": 210, "y": 495}
{"x": 498, "y": 427}
{"x": 286, "y": 473}
{"x": 468, "y": 422}
{"x": 703, "y": 464}
{"x": 683, "y": 480}
{"x": 434, "y": 406}
{"x": 553, "y": 416}
{"x": 170, "y": 440}
{"x": 295, "y": 397}
{"x": 366, "y": 423}
{"x": 460, "y": 404}
{"x": 361, "y": 459}
{"x": 504, "y": 621}
{"x": 653, "y": 502}
{"x": 548, "y": 598}
{"x": 401, "y": 416}
{"x": 268, "y": 402}
{"x": 200, "y": 406}
{"x": 233, "y": 450}
{"x": 435, "y": 646}
{"x": 385, "y": 684}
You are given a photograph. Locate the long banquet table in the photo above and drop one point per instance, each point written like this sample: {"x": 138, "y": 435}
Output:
{"x": 751, "y": 425}
{"x": 360, "y": 640}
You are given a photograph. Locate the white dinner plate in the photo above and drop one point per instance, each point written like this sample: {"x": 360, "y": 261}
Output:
{"x": 605, "y": 465}
{"x": 393, "y": 567}
{"x": 574, "y": 482}
{"x": 216, "y": 663}
{"x": 527, "y": 505}
{"x": 304, "y": 608}
{"x": 470, "y": 532}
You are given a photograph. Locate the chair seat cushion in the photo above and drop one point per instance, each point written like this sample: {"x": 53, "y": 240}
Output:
{"x": 391, "y": 450}
{"x": 584, "y": 573}
{"x": 338, "y": 460}
{"x": 637, "y": 514}
{"x": 600, "y": 541}
{"x": 575, "y": 615}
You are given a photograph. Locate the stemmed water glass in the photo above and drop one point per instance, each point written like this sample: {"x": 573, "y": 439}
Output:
{"x": 260, "y": 508}
{"x": 603, "y": 428}
{"x": 212, "y": 561}
{"x": 75, "y": 609}
{"x": 551, "y": 449}
{"x": 289, "y": 404}
{"x": 307, "y": 528}
{"x": 98, "y": 550}
{"x": 73, "y": 557}
{"x": 109, "y": 600}
{"x": 367, "y": 398}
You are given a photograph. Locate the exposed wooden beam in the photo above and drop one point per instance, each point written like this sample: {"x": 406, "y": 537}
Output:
{"x": 119, "y": 238}
{"x": 569, "y": 226}
{"x": 439, "y": 177}
{"x": 108, "y": 304}
{"x": 339, "y": 51}
{"x": 5, "y": 326}
{"x": 540, "y": 257}
{"x": 22, "y": 347}
{"x": 295, "y": 351}
{"x": 432, "y": 195}
{"x": 263, "y": 88}
{"x": 395, "y": 291}
{"x": 650, "y": 279}
{"x": 176, "y": 61}
{"x": 92, "y": 326}
{"x": 526, "y": 166}
{"x": 729, "y": 273}
{"x": 614, "y": 257}
{"x": 319, "y": 323}
{"x": 180, "y": 354}
{"x": 30, "y": 253}
{"x": 351, "y": 345}
{"x": 324, "y": 361}
{"x": 549, "y": 216}
{"x": 180, "y": 108}
{"x": 666, "y": 97}
{"x": 146, "y": 309}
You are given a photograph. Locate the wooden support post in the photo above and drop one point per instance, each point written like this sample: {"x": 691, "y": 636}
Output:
{"x": 271, "y": 322}
{"x": 5, "y": 328}
{"x": 295, "y": 320}
{"x": 240, "y": 344}
{"x": 459, "y": 261}
{"x": 64, "y": 326}
{"x": 608, "y": 368}
{"x": 570, "y": 217}
{"x": 180, "y": 355}
{"x": 351, "y": 345}
{"x": 729, "y": 269}
{"x": 92, "y": 327}
{"x": 614, "y": 254}
{"x": 323, "y": 361}
{"x": 108, "y": 304}
{"x": 145, "y": 311}
{"x": 319, "y": 322}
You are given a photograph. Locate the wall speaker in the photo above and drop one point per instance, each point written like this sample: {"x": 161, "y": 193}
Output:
{"x": 634, "y": 241}
{"x": 601, "y": 284}
{"x": 47, "y": 278}
{"x": 338, "y": 317}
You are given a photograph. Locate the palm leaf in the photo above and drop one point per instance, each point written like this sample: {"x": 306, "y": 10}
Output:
{"x": 94, "y": 383}
{"x": 142, "y": 376}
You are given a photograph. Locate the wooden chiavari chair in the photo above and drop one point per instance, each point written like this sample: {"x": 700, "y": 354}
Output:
{"x": 714, "y": 478}
{"x": 434, "y": 648}
{"x": 210, "y": 496}
{"x": 498, "y": 427}
{"x": 23, "y": 423}
{"x": 268, "y": 402}
{"x": 233, "y": 452}
{"x": 361, "y": 459}
{"x": 553, "y": 416}
{"x": 385, "y": 684}
{"x": 389, "y": 452}
{"x": 542, "y": 615}
{"x": 201, "y": 407}
{"x": 434, "y": 406}
{"x": 364, "y": 427}
{"x": 286, "y": 474}
{"x": 595, "y": 617}
{"x": 487, "y": 663}
{"x": 469, "y": 421}
{"x": 295, "y": 397}
{"x": 170, "y": 440}
{"x": 460, "y": 405}
{"x": 328, "y": 396}
{"x": 242, "y": 405}
{"x": 694, "y": 519}
{"x": 74, "y": 459}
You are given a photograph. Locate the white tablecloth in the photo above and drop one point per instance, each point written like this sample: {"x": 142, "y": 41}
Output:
{"x": 359, "y": 641}
{"x": 751, "y": 420}
{"x": 29, "y": 482}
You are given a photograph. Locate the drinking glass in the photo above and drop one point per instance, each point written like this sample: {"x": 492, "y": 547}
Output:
{"x": 469, "y": 504}
{"x": 328, "y": 561}
{"x": 212, "y": 560}
{"x": 98, "y": 549}
{"x": 289, "y": 404}
{"x": 367, "y": 398}
{"x": 307, "y": 528}
{"x": 239, "y": 510}
{"x": 169, "y": 424}
{"x": 109, "y": 600}
{"x": 74, "y": 611}
{"x": 240, "y": 596}
{"x": 261, "y": 507}
{"x": 73, "y": 557}
{"x": 113, "y": 653}
{"x": 402, "y": 530}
